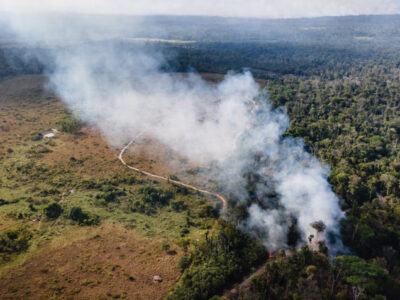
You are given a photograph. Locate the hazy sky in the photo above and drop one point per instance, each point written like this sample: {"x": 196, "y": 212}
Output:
{"x": 238, "y": 8}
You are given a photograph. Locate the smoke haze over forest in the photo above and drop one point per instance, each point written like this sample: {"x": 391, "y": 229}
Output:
{"x": 232, "y": 8}
{"x": 123, "y": 91}
{"x": 250, "y": 148}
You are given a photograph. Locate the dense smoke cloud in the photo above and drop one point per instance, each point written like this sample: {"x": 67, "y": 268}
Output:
{"x": 236, "y": 8}
{"x": 120, "y": 88}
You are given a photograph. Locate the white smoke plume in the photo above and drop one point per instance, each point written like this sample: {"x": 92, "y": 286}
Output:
{"x": 121, "y": 89}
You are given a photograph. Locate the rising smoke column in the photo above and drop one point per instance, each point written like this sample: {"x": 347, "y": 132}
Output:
{"x": 118, "y": 86}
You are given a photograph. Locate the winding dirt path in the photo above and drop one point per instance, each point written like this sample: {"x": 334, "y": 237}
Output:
{"x": 175, "y": 182}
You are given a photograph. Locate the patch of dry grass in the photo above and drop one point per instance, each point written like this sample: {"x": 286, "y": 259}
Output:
{"x": 102, "y": 262}
{"x": 119, "y": 257}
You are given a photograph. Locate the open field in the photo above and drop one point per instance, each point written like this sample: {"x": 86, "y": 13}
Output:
{"x": 108, "y": 261}
{"x": 122, "y": 242}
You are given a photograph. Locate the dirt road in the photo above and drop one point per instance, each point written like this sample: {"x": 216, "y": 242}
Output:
{"x": 175, "y": 182}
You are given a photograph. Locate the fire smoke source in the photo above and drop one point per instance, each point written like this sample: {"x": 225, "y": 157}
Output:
{"x": 119, "y": 87}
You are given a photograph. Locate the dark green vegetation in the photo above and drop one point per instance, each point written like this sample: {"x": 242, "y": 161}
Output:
{"x": 82, "y": 217}
{"x": 53, "y": 211}
{"x": 151, "y": 198}
{"x": 224, "y": 257}
{"x": 13, "y": 241}
{"x": 343, "y": 97}
{"x": 339, "y": 80}
{"x": 69, "y": 124}
{"x": 353, "y": 124}
{"x": 311, "y": 275}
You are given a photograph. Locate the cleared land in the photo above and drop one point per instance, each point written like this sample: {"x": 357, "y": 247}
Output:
{"x": 135, "y": 227}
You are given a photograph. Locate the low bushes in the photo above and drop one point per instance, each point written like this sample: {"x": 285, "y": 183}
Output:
{"x": 53, "y": 211}
{"x": 83, "y": 218}
{"x": 110, "y": 193}
{"x": 15, "y": 240}
{"x": 150, "y": 199}
{"x": 178, "y": 205}
{"x": 69, "y": 124}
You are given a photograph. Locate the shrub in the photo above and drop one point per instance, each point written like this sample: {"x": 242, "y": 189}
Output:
{"x": 69, "y": 124}
{"x": 36, "y": 136}
{"x": 128, "y": 179}
{"x": 151, "y": 199}
{"x": 207, "y": 211}
{"x": 89, "y": 184}
{"x": 53, "y": 211}
{"x": 110, "y": 194}
{"x": 38, "y": 150}
{"x": 165, "y": 246}
{"x": 32, "y": 207}
{"x": 15, "y": 240}
{"x": 49, "y": 192}
{"x": 155, "y": 196}
{"x": 83, "y": 218}
{"x": 173, "y": 177}
{"x": 183, "y": 263}
{"x": 178, "y": 205}
{"x": 3, "y": 202}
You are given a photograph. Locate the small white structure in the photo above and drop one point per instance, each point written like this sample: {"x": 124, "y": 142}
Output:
{"x": 157, "y": 278}
{"x": 50, "y": 134}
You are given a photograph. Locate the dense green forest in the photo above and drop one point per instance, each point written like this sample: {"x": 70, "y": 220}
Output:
{"x": 344, "y": 101}
{"x": 339, "y": 80}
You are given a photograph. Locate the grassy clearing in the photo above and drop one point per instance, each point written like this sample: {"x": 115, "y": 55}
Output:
{"x": 73, "y": 170}
{"x": 106, "y": 261}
